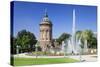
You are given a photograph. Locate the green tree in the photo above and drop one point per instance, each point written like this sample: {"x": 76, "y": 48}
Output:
{"x": 78, "y": 34}
{"x": 93, "y": 42}
{"x": 26, "y": 40}
{"x": 63, "y": 37}
{"x": 13, "y": 45}
{"x": 87, "y": 37}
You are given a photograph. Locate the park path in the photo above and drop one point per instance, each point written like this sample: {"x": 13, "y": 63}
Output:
{"x": 77, "y": 57}
{"x": 87, "y": 58}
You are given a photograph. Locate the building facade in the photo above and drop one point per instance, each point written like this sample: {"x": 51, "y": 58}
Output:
{"x": 45, "y": 33}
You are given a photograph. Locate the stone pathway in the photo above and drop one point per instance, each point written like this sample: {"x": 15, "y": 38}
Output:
{"x": 77, "y": 57}
{"x": 86, "y": 58}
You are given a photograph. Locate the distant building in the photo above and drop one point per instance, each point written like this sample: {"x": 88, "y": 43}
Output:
{"x": 45, "y": 33}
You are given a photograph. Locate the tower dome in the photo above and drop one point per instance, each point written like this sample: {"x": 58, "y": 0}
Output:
{"x": 45, "y": 19}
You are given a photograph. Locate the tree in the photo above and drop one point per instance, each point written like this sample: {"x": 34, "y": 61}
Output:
{"x": 87, "y": 38}
{"x": 78, "y": 34}
{"x": 26, "y": 40}
{"x": 63, "y": 37}
{"x": 85, "y": 35}
{"x": 13, "y": 45}
{"x": 93, "y": 42}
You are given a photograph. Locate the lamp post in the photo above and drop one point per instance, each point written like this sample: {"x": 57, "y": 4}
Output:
{"x": 36, "y": 49}
{"x": 17, "y": 49}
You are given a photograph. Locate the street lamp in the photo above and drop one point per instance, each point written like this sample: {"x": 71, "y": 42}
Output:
{"x": 17, "y": 49}
{"x": 36, "y": 49}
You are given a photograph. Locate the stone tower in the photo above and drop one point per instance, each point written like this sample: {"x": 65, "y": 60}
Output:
{"x": 45, "y": 33}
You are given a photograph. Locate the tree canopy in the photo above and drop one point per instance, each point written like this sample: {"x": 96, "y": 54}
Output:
{"x": 89, "y": 36}
{"x": 26, "y": 40}
{"x": 63, "y": 37}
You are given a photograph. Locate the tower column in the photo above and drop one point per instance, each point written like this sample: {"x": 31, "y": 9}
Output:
{"x": 45, "y": 32}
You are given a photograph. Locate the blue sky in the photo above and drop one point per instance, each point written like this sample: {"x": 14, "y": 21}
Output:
{"x": 28, "y": 15}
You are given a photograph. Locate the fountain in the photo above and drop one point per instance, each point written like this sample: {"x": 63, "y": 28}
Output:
{"x": 62, "y": 47}
{"x": 69, "y": 47}
{"x": 73, "y": 44}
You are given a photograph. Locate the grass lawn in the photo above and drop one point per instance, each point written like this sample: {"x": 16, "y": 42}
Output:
{"x": 38, "y": 61}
